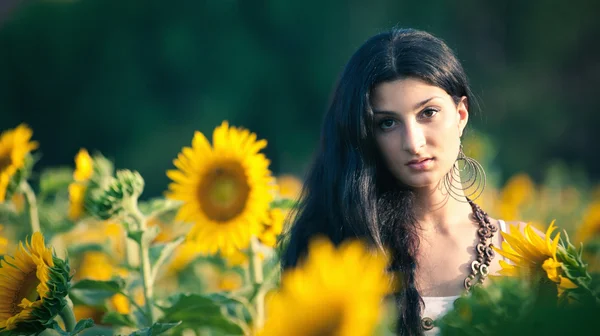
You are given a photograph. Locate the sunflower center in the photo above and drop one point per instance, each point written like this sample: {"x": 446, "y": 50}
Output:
{"x": 5, "y": 162}
{"x": 224, "y": 191}
{"x": 330, "y": 325}
{"x": 28, "y": 290}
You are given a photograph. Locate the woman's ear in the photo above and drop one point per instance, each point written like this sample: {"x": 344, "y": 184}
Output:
{"x": 462, "y": 109}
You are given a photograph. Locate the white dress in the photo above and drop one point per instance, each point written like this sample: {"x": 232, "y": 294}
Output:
{"x": 437, "y": 306}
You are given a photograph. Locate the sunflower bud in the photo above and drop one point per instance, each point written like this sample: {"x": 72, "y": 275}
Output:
{"x": 132, "y": 183}
{"x": 120, "y": 191}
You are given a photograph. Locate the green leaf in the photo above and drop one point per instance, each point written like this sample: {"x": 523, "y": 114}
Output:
{"x": 197, "y": 310}
{"x": 82, "y": 325}
{"x": 146, "y": 236}
{"x": 78, "y": 249}
{"x": 55, "y": 327}
{"x": 94, "y": 293}
{"x": 160, "y": 252}
{"x": 79, "y": 327}
{"x": 592, "y": 246}
{"x": 54, "y": 180}
{"x": 158, "y": 206}
{"x": 155, "y": 329}
{"x": 284, "y": 203}
{"x": 136, "y": 236}
{"x": 116, "y": 319}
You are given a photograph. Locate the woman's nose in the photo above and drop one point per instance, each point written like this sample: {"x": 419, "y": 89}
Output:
{"x": 414, "y": 139}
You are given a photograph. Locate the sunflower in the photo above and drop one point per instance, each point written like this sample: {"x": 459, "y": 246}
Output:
{"x": 532, "y": 254}
{"x": 14, "y": 147}
{"x": 317, "y": 298}
{"x": 84, "y": 168}
{"x": 226, "y": 189}
{"x": 34, "y": 284}
{"x": 272, "y": 228}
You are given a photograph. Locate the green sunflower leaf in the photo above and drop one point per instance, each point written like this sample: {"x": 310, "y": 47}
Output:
{"x": 284, "y": 203}
{"x": 146, "y": 236}
{"x": 196, "y": 310}
{"x": 136, "y": 236}
{"x": 79, "y": 327}
{"x": 82, "y": 325}
{"x": 155, "y": 329}
{"x": 94, "y": 293}
{"x": 116, "y": 319}
{"x": 54, "y": 180}
{"x": 158, "y": 206}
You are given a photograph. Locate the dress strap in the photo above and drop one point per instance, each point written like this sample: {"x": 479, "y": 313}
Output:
{"x": 503, "y": 228}
{"x": 502, "y": 224}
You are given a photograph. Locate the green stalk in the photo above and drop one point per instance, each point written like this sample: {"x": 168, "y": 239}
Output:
{"x": 139, "y": 224}
{"x": 145, "y": 266}
{"x": 132, "y": 254}
{"x": 147, "y": 281}
{"x": 33, "y": 209}
{"x": 66, "y": 314}
{"x": 256, "y": 275}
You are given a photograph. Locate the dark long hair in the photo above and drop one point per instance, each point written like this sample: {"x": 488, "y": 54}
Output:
{"x": 348, "y": 191}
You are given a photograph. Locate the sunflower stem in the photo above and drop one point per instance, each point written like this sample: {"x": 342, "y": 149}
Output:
{"x": 68, "y": 318}
{"x": 145, "y": 266}
{"x": 132, "y": 255}
{"x": 147, "y": 281}
{"x": 33, "y": 209}
{"x": 256, "y": 274}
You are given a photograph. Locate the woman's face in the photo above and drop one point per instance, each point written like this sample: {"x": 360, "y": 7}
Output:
{"x": 417, "y": 128}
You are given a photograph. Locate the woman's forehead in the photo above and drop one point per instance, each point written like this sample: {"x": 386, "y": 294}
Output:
{"x": 405, "y": 94}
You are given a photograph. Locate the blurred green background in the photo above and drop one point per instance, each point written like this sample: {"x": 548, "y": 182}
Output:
{"x": 134, "y": 79}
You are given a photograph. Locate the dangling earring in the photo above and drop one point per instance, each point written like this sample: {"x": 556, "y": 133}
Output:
{"x": 474, "y": 178}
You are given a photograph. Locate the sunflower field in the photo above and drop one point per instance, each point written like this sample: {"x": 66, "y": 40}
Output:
{"x": 85, "y": 254}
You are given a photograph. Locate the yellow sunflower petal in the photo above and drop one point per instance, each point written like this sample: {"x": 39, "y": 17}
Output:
{"x": 84, "y": 166}
{"x": 538, "y": 242}
{"x": 521, "y": 246}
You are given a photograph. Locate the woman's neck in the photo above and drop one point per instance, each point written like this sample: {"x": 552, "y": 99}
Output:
{"x": 438, "y": 211}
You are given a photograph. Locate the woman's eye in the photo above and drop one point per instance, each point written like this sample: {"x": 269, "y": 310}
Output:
{"x": 429, "y": 113}
{"x": 386, "y": 123}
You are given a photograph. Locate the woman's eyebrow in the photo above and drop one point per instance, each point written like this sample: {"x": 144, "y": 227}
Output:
{"x": 417, "y": 105}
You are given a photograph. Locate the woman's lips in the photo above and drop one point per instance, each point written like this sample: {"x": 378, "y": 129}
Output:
{"x": 421, "y": 164}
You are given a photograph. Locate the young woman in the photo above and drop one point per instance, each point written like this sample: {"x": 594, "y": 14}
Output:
{"x": 387, "y": 170}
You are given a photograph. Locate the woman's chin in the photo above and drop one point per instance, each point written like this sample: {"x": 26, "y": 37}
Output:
{"x": 421, "y": 183}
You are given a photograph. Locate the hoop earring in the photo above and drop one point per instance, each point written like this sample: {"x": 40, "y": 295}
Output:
{"x": 474, "y": 178}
